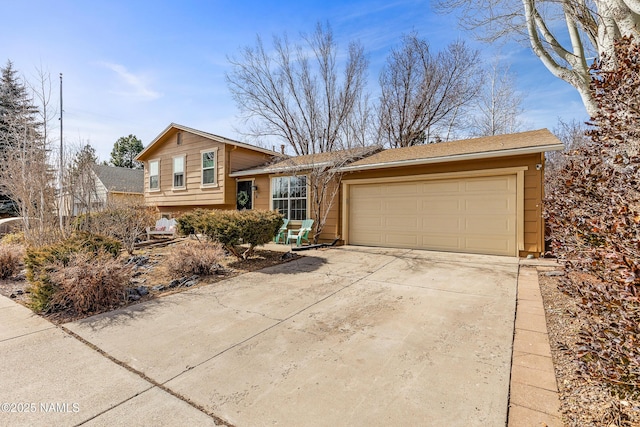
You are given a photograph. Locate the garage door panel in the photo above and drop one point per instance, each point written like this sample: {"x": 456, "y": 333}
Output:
{"x": 400, "y": 205}
{"x": 490, "y": 205}
{"x": 445, "y": 204}
{"x": 441, "y": 187}
{"x": 475, "y": 215}
{"x": 437, "y": 223}
{"x": 484, "y": 225}
{"x": 489, "y": 243}
{"x": 402, "y": 189}
{"x": 403, "y": 223}
{"x": 401, "y": 239}
{"x": 441, "y": 242}
{"x": 488, "y": 185}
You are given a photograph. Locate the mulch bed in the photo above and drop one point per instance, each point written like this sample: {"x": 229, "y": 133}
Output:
{"x": 584, "y": 401}
{"x": 152, "y": 273}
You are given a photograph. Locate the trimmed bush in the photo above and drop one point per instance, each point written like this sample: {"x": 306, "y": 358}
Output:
{"x": 13, "y": 239}
{"x": 41, "y": 262}
{"x": 89, "y": 283}
{"x": 233, "y": 228}
{"x": 195, "y": 257}
{"x": 10, "y": 259}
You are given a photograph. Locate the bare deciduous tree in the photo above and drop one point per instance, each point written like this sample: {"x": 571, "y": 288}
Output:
{"x": 26, "y": 175}
{"x": 296, "y": 93}
{"x": 422, "y": 94}
{"x": 499, "y": 104}
{"x": 590, "y": 28}
{"x": 79, "y": 184}
{"x": 323, "y": 177}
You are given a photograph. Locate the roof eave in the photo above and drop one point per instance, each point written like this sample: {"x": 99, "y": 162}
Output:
{"x": 456, "y": 157}
{"x": 211, "y": 136}
{"x": 283, "y": 169}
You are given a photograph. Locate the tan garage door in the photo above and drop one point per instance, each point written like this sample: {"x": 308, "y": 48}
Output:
{"x": 476, "y": 215}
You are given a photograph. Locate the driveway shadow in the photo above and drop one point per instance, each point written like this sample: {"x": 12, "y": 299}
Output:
{"x": 303, "y": 264}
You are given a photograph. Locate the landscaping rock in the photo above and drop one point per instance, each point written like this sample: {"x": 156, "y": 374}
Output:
{"x": 288, "y": 255}
{"x": 12, "y": 296}
{"x": 554, "y": 273}
{"x": 158, "y": 288}
{"x": 142, "y": 290}
{"x": 132, "y": 294}
{"x": 189, "y": 283}
{"x": 174, "y": 283}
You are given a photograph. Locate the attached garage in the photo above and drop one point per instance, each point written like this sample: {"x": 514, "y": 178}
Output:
{"x": 475, "y": 196}
{"x": 475, "y": 215}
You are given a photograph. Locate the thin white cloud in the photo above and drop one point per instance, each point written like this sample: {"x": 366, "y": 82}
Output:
{"x": 136, "y": 85}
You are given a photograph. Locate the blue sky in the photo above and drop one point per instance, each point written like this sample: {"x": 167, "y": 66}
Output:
{"x": 133, "y": 67}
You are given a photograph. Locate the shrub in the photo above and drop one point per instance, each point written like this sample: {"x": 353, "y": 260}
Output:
{"x": 89, "y": 283}
{"x": 10, "y": 259}
{"x": 232, "y": 228}
{"x": 40, "y": 262}
{"x": 122, "y": 221}
{"x": 13, "y": 239}
{"x": 195, "y": 257}
{"x": 193, "y": 222}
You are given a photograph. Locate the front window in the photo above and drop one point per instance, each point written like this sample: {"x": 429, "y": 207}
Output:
{"x": 208, "y": 168}
{"x": 154, "y": 175}
{"x": 178, "y": 172}
{"x": 289, "y": 195}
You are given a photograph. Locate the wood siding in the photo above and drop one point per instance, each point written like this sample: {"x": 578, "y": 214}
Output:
{"x": 194, "y": 194}
{"x": 533, "y": 191}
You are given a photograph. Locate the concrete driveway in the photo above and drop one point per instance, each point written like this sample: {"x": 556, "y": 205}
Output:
{"x": 345, "y": 336}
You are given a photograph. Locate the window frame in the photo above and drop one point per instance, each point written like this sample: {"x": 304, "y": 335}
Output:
{"x": 174, "y": 174}
{"x": 214, "y": 168}
{"x": 289, "y": 199}
{"x": 157, "y": 188}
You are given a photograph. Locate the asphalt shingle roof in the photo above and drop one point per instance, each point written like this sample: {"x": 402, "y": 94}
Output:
{"x": 523, "y": 140}
{"x": 122, "y": 180}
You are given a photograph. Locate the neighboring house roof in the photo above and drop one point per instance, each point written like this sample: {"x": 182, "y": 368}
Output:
{"x": 298, "y": 163}
{"x": 143, "y": 154}
{"x": 535, "y": 141}
{"x": 120, "y": 180}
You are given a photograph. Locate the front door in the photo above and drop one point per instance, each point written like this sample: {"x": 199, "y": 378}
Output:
{"x": 244, "y": 195}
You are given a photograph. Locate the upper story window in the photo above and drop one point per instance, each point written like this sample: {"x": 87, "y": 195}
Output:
{"x": 208, "y": 167}
{"x": 289, "y": 196}
{"x": 178, "y": 172}
{"x": 154, "y": 174}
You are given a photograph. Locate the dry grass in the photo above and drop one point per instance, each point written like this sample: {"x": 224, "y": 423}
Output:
{"x": 90, "y": 284}
{"x": 195, "y": 257}
{"x": 10, "y": 260}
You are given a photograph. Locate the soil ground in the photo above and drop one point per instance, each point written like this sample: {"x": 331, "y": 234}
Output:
{"x": 585, "y": 402}
{"x": 153, "y": 273}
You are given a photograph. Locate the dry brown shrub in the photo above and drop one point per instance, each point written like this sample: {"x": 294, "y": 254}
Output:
{"x": 195, "y": 257}
{"x": 90, "y": 283}
{"x": 10, "y": 260}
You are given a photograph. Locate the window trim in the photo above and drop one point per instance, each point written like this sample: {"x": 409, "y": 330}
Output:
{"x": 213, "y": 184}
{"x": 149, "y": 178}
{"x": 289, "y": 199}
{"x": 184, "y": 172}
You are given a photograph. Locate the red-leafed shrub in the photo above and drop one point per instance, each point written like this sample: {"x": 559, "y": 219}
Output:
{"x": 593, "y": 214}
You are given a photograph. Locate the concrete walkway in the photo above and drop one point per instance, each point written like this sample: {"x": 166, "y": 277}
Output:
{"x": 50, "y": 378}
{"x": 346, "y": 336}
{"x": 533, "y": 399}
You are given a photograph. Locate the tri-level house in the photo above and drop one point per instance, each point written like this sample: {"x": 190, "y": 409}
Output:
{"x": 481, "y": 195}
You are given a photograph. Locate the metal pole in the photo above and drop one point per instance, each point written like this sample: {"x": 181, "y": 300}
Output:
{"x": 61, "y": 144}
{"x": 61, "y": 173}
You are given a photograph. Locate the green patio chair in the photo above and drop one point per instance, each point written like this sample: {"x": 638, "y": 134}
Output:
{"x": 282, "y": 232}
{"x": 302, "y": 233}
